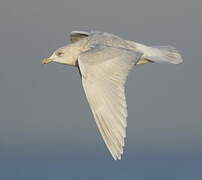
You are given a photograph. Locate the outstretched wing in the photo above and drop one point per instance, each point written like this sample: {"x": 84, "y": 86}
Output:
{"x": 78, "y": 35}
{"x": 104, "y": 72}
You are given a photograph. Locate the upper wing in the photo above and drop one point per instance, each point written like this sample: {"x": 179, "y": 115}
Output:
{"x": 78, "y": 35}
{"x": 104, "y": 71}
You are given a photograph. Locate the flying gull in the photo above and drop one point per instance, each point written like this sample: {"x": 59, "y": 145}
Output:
{"x": 104, "y": 61}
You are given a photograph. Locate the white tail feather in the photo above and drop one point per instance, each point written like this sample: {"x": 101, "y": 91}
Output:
{"x": 160, "y": 54}
{"x": 166, "y": 54}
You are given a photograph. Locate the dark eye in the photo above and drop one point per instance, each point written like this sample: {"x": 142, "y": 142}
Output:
{"x": 59, "y": 53}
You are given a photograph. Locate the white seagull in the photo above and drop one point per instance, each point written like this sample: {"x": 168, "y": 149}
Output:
{"x": 104, "y": 61}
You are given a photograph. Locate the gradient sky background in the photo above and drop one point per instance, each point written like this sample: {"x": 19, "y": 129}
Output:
{"x": 46, "y": 128}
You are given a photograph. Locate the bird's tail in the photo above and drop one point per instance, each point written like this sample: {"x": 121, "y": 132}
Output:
{"x": 159, "y": 54}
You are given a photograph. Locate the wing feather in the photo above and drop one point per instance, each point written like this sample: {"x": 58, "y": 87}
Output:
{"x": 78, "y": 35}
{"x": 104, "y": 72}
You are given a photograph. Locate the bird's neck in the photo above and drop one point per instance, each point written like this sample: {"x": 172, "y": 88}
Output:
{"x": 76, "y": 49}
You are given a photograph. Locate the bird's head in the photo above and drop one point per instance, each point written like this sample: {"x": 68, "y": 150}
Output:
{"x": 65, "y": 55}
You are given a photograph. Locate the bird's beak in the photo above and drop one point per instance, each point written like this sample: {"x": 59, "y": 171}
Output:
{"x": 46, "y": 61}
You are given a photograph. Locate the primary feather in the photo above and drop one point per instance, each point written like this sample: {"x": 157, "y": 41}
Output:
{"x": 104, "y": 71}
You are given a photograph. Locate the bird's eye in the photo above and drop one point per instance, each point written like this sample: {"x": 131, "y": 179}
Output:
{"x": 59, "y": 53}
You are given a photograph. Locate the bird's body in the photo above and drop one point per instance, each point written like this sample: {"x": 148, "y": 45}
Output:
{"x": 104, "y": 61}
